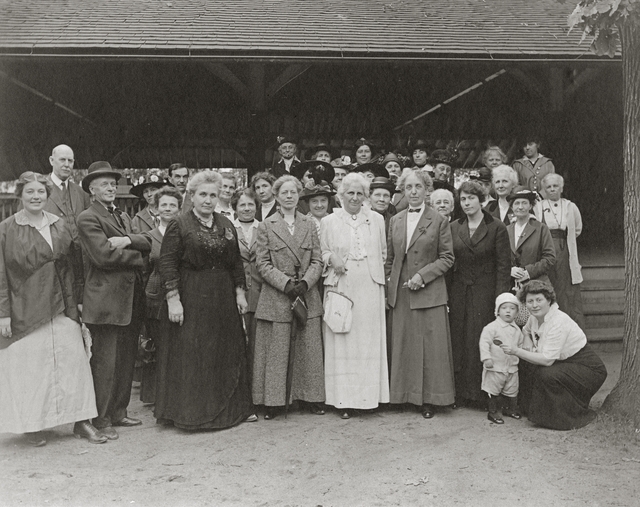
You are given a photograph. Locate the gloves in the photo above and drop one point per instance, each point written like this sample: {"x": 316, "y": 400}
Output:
{"x": 295, "y": 290}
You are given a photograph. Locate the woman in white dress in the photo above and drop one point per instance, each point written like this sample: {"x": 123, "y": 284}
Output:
{"x": 45, "y": 377}
{"x": 353, "y": 251}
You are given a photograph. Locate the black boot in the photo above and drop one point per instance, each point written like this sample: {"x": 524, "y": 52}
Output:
{"x": 494, "y": 414}
{"x": 511, "y": 409}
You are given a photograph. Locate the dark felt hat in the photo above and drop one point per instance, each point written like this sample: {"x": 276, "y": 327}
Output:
{"x": 321, "y": 147}
{"x": 392, "y": 157}
{"x": 363, "y": 142}
{"x": 317, "y": 190}
{"x": 521, "y": 192}
{"x": 280, "y": 140}
{"x": 444, "y": 184}
{"x": 419, "y": 144}
{"x": 98, "y": 170}
{"x": 376, "y": 169}
{"x": 382, "y": 182}
{"x": 149, "y": 180}
{"x": 320, "y": 171}
{"x": 442, "y": 157}
{"x": 482, "y": 174}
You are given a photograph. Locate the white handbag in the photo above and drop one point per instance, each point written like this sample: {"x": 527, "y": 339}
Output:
{"x": 337, "y": 311}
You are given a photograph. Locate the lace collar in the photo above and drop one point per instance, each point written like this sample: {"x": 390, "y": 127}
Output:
{"x": 22, "y": 219}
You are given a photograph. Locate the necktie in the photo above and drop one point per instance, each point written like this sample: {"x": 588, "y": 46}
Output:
{"x": 416, "y": 210}
{"x": 117, "y": 215}
{"x": 66, "y": 198}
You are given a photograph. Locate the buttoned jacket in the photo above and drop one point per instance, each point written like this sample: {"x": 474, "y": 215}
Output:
{"x": 80, "y": 201}
{"x": 252, "y": 276}
{"x": 534, "y": 250}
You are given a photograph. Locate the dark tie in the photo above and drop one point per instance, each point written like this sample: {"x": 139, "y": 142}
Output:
{"x": 117, "y": 215}
{"x": 66, "y": 198}
{"x": 416, "y": 210}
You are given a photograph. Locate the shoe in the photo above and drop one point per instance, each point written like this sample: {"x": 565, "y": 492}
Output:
{"x": 345, "y": 414}
{"x": 128, "y": 421}
{"x": 84, "y": 429}
{"x": 317, "y": 409}
{"x": 251, "y": 418}
{"x": 269, "y": 413}
{"x": 109, "y": 432}
{"x": 512, "y": 414}
{"x": 511, "y": 410}
{"x": 494, "y": 417}
{"x": 37, "y": 439}
{"x": 428, "y": 411}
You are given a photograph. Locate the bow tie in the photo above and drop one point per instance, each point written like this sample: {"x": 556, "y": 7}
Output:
{"x": 416, "y": 210}
{"x": 114, "y": 211}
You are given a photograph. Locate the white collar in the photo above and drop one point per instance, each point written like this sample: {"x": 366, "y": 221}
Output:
{"x": 57, "y": 181}
{"x": 238, "y": 224}
{"x": 421, "y": 208}
{"x": 22, "y": 219}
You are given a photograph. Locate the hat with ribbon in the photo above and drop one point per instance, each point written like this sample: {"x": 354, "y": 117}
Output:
{"x": 483, "y": 174}
{"x": 152, "y": 179}
{"x": 376, "y": 169}
{"x": 319, "y": 171}
{"x": 343, "y": 162}
{"x": 99, "y": 169}
{"x": 443, "y": 157}
{"x": 523, "y": 193}
{"x": 321, "y": 189}
{"x": 382, "y": 182}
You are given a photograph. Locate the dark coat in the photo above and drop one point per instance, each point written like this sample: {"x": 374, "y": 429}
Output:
{"x": 278, "y": 168}
{"x": 111, "y": 272}
{"x": 277, "y": 255}
{"x": 430, "y": 253}
{"x": 493, "y": 208}
{"x": 481, "y": 272}
{"x": 153, "y": 289}
{"x": 259, "y": 216}
{"x": 36, "y": 283}
{"x": 534, "y": 251}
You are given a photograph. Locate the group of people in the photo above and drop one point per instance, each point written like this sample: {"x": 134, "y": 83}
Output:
{"x": 326, "y": 282}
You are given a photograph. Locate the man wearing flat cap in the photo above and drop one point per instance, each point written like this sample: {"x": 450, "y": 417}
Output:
{"x": 288, "y": 150}
{"x": 114, "y": 299}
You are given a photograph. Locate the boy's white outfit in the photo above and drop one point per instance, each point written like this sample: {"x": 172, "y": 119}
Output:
{"x": 502, "y": 378}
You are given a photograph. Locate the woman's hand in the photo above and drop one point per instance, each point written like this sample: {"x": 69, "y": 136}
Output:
{"x": 336, "y": 263}
{"x": 241, "y": 302}
{"x": 176, "y": 312}
{"x": 488, "y": 363}
{"x": 5, "y": 327}
{"x": 416, "y": 282}
{"x": 508, "y": 349}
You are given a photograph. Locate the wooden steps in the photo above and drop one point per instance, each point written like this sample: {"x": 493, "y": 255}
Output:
{"x": 603, "y": 302}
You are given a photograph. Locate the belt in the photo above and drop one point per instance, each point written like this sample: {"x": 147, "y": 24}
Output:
{"x": 559, "y": 233}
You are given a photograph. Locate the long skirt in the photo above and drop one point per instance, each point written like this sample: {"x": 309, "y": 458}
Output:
{"x": 568, "y": 294}
{"x": 45, "y": 379}
{"x": 201, "y": 365}
{"x": 356, "y": 370}
{"x": 272, "y": 358}
{"x": 422, "y": 362}
{"x": 558, "y": 396}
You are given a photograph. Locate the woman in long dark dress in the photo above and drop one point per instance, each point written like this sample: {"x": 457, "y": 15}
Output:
{"x": 480, "y": 273}
{"x": 559, "y": 372}
{"x": 206, "y": 385}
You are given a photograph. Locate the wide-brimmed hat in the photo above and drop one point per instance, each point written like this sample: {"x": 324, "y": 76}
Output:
{"x": 323, "y": 188}
{"x": 377, "y": 169}
{"x": 443, "y": 157}
{"x": 149, "y": 180}
{"x": 320, "y": 171}
{"x": 523, "y": 193}
{"x": 482, "y": 174}
{"x": 98, "y": 170}
{"x": 280, "y": 140}
{"x": 343, "y": 162}
{"x": 382, "y": 182}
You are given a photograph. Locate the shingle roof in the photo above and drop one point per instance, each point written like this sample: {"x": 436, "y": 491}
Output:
{"x": 488, "y": 29}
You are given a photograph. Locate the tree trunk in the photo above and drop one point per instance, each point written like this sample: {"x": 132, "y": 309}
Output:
{"x": 624, "y": 400}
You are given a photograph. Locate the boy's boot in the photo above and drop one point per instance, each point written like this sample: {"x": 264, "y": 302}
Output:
{"x": 511, "y": 409}
{"x": 494, "y": 412}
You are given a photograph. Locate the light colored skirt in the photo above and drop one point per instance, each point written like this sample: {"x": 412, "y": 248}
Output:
{"x": 356, "y": 370}
{"x": 45, "y": 379}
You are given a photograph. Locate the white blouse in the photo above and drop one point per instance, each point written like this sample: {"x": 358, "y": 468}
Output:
{"x": 557, "y": 338}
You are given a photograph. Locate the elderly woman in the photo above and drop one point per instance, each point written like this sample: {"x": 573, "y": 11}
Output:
{"x": 480, "y": 273}
{"x": 353, "y": 250}
{"x": 201, "y": 269}
{"x": 563, "y": 372}
{"x": 288, "y": 258}
{"x": 565, "y": 224}
{"x": 493, "y": 157}
{"x": 244, "y": 205}
{"x": 168, "y": 202}
{"x": 147, "y": 218}
{"x": 532, "y": 251}
{"x": 420, "y": 252}
{"x": 45, "y": 378}
{"x": 442, "y": 201}
{"x": 505, "y": 179}
{"x": 381, "y": 190}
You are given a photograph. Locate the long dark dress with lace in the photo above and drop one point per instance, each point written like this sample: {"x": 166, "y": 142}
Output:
{"x": 205, "y": 384}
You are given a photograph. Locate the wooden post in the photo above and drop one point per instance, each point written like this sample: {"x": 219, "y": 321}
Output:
{"x": 257, "y": 119}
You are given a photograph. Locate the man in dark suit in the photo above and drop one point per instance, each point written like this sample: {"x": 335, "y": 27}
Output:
{"x": 287, "y": 149}
{"x": 68, "y": 200}
{"x": 179, "y": 177}
{"x": 262, "y": 185}
{"x": 114, "y": 300}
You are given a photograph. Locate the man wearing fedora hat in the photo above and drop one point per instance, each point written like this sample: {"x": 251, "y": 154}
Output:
{"x": 67, "y": 200}
{"x": 288, "y": 149}
{"x": 114, "y": 299}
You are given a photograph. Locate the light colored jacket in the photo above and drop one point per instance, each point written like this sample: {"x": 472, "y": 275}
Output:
{"x": 335, "y": 238}
{"x": 509, "y": 334}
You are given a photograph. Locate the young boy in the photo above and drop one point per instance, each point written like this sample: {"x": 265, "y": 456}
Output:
{"x": 500, "y": 371}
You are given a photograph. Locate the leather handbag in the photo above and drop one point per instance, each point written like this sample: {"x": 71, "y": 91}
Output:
{"x": 337, "y": 311}
{"x": 299, "y": 309}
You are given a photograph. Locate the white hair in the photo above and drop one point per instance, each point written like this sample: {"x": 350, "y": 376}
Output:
{"x": 439, "y": 194}
{"x": 352, "y": 180}
{"x": 509, "y": 171}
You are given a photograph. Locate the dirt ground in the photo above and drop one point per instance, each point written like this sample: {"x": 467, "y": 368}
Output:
{"x": 386, "y": 458}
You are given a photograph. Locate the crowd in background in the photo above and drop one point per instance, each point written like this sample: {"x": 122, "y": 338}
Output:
{"x": 327, "y": 282}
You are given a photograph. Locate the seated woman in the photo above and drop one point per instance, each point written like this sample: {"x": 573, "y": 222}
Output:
{"x": 353, "y": 250}
{"x": 206, "y": 384}
{"x": 45, "y": 378}
{"x": 564, "y": 372}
